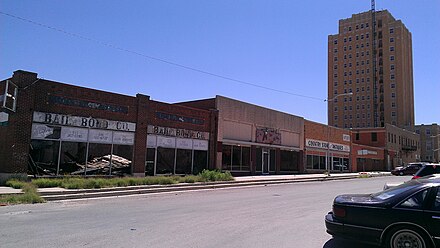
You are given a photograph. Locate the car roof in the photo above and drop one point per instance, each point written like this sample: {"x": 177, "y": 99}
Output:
{"x": 434, "y": 178}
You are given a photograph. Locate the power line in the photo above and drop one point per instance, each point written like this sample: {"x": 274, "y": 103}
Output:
{"x": 154, "y": 58}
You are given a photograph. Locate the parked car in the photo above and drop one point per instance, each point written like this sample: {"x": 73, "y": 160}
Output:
{"x": 409, "y": 169}
{"x": 404, "y": 216}
{"x": 427, "y": 169}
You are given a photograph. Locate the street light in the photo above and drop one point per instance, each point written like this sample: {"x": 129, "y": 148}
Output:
{"x": 327, "y": 155}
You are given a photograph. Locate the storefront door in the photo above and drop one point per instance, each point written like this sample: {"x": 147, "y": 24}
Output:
{"x": 266, "y": 162}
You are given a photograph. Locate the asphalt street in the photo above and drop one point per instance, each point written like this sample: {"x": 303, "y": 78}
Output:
{"x": 288, "y": 215}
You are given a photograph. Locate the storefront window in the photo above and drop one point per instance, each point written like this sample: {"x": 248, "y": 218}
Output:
{"x": 259, "y": 158}
{"x": 200, "y": 161}
{"x": 236, "y": 158}
{"x": 121, "y": 160}
{"x": 226, "y": 157}
{"x": 289, "y": 161}
{"x": 165, "y": 160}
{"x": 322, "y": 164}
{"x": 183, "y": 161}
{"x": 316, "y": 162}
{"x": 98, "y": 160}
{"x": 149, "y": 163}
{"x": 245, "y": 158}
{"x": 44, "y": 157}
{"x": 272, "y": 160}
{"x": 309, "y": 162}
{"x": 73, "y": 158}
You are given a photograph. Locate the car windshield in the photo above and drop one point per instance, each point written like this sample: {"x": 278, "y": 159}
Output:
{"x": 391, "y": 192}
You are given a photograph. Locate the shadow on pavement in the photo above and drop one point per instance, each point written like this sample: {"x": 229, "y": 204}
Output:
{"x": 339, "y": 243}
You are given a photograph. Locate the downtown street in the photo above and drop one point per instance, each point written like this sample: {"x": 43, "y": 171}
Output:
{"x": 288, "y": 215}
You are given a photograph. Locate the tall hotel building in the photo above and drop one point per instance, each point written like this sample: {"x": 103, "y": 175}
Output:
{"x": 379, "y": 75}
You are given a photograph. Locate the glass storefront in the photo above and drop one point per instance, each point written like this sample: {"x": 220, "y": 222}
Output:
{"x": 289, "y": 161}
{"x": 317, "y": 162}
{"x": 236, "y": 158}
{"x": 62, "y": 150}
{"x": 171, "y": 155}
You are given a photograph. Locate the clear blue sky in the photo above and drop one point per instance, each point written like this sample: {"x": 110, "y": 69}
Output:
{"x": 275, "y": 44}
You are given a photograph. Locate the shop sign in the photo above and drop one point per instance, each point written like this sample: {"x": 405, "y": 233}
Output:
{"x": 367, "y": 152}
{"x": 268, "y": 136}
{"x": 324, "y": 145}
{"x": 200, "y": 145}
{"x": 87, "y": 104}
{"x": 179, "y": 133}
{"x": 184, "y": 143}
{"x": 74, "y": 134}
{"x": 166, "y": 142}
{"x": 123, "y": 138}
{"x": 87, "y": 122}
{"x": 346, "y": 137}
{"x": 151, "y": 141}
{"x": 179, "y": 118}
{"x": 100, "y": 136}
{"x": 40, "y": 131}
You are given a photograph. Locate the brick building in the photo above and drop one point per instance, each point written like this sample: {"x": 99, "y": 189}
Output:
{"x": 253, "y": 139}
{"x": 60, "y": 129}
{"x": 326, "y": 148}
{"x": 429, "y": 142}
{"x": 400, "y": 146}
{"x": 380, "y": 77}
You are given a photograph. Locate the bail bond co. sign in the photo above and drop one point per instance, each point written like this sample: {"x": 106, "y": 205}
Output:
{"x": 87, "y": 122}
{"x": 324, "y": 145}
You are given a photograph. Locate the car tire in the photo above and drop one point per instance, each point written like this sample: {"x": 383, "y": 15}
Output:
{"x": 407, "y": 237}
{"x": 401, "y": 173}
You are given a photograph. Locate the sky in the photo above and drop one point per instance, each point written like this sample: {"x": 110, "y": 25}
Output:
{"x": 275, "y": 52}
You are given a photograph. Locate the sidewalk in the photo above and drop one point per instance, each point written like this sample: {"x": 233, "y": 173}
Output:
{"x": 54, "y": 194}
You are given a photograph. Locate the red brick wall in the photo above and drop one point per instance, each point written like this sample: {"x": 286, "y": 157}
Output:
{"x": 354, "y": 155}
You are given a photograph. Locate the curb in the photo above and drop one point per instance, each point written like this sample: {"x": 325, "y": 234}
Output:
{"x": 144, "y": 190}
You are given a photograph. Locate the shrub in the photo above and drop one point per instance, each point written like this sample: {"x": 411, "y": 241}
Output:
{"x": 215, "y": 175}
{"x": 15, "y": 183}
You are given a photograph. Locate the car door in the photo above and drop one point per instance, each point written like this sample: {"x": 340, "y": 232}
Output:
{"x": 434, "y": 215}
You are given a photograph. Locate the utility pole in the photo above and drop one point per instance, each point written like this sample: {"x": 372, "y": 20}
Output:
{"x": 375, "y": 102}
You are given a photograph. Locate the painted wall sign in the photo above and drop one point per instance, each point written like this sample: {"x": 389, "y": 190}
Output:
{"x": 123, "y": 138}
{"x": 87, "y": 104}
{"x": 40, "y": 131}
{"x": 200, "y": 145}
{"x": 167, "y": 142}
{"x": 180, "y": 133}
{"x": 366, "y": 152}
{"x": 179, "y": 118}
{"x": 268, "y": 136}
{"x": 184, "y": 143}
{"x": 324, "y": 145}
{"x": 151, "y": 141}
{"x": 78, "y": 121}
{"x": 74, "y": 134}
{"x": 100, "y": 136}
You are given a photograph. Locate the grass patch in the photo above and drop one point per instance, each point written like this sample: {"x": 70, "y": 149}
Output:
{"x": 97, "y": 183}
{"x": 29, "y": 195}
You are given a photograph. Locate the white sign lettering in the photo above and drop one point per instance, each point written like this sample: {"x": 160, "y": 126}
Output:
{"x": 200, "y": 145}
{"x": 123, "y": 138}
{"x": 184, "y": 144}
{"x": 87, "y": 122}
{"x": 74, "y": 134}
{"x": 166, "y": 142}
{"x": 100, "y": 136}
{"x": 325, "y": 145}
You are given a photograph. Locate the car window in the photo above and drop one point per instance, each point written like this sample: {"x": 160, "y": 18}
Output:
{"x": 428, "y": 170}
{"x": 415, "y": 201}
{"x": 437, "y": 200}
{"x": 388, "y": 193}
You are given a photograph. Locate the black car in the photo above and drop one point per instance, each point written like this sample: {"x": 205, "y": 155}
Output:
{"x": 427, "y": 169}
{"x": 409, "y": 169}
{"x": 404, "y": 216}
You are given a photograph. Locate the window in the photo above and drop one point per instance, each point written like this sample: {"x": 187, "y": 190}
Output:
{"x": 357, "y": 136}
{"x": 391, "y": 30}
{"x": 335, "y": 42}
{"x": 428, "y": 131}
{"x": 391, "y": 49}
{"x": 336, "y": 83}
{"x": 345, "y": 40}
{"x": 393, "y": 85}
{"x": 392, "y": 76}
{"x": 336, "y": 59}
{"x": 349, "y": 29}
{"x": 349, "y": 39}
{"x": 392, "y": 67}
{"x": 335, "y": 50}
{"x": 393, "y": 114}
{"x": 436, "y": 206}
{"x": 393, "y": 95}
{"x": 415, "y": 201}
{"x": 366, "y": 25}
{"x": 374, "y": 136}
{"x": 391, "y": 39}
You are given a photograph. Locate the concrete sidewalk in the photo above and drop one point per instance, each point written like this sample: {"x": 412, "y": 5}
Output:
{"x": 53, "y": 194}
